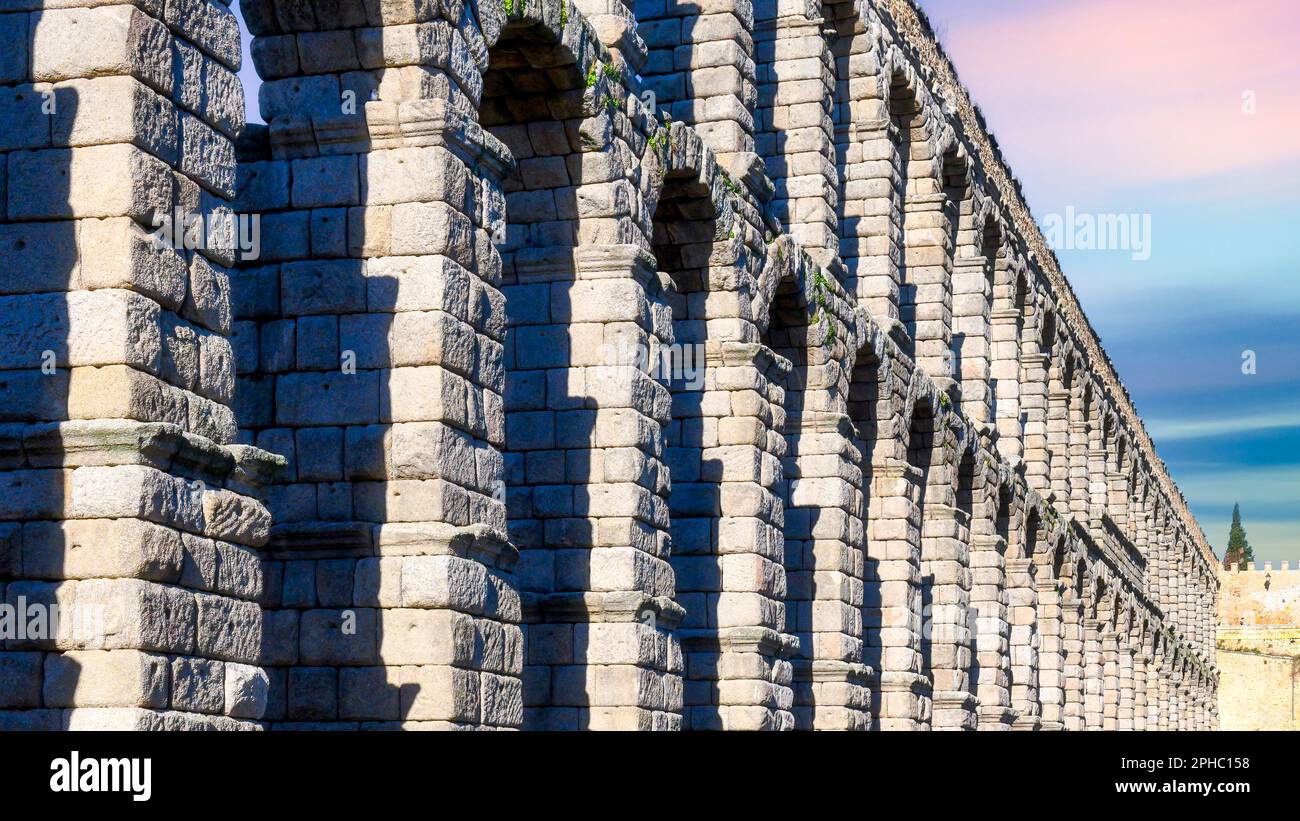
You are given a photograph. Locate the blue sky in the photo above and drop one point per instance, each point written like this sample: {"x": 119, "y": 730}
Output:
{"x": 1091, "y": 116}
{"x": 1090, "y": 120}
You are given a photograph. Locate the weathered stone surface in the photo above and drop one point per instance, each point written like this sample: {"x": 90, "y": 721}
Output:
{"x": 632, "y": 370}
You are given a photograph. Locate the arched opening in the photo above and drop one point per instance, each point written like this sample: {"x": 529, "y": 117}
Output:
{"x": 1035, "y": 359}
{"x": 1010, "y": 295}
{"x": 974, "y": 287}
{"x": 911, "y": 154}
{"x": 946, "y": 564}
{"x": 727, "y": 540}
{"x": 1022, "y": 603}
{"x": 991, "y": 662}
{"x": 586, "y": 402}
{"x": 924, "y": 436}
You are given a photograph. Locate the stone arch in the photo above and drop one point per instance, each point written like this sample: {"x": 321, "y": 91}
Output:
{"x": 1060, "y": 375}
{"x": 980, "y": 252}
{"x": 813, "y": 326}
{"x": 946, "y": 567}
{"x": 1052, "y": 623}
{"x": 384, "y": 378}
{"x": 927, "y": 456}
{"x": 1007, "y": 330}
{"x": 991, "y": 659}
{"x": 587, "y": 401}
{"x": 919, "y": 198}
{"x": 1036, "y": 351}
{"x": 723, "y": 398}
{"x": 1022, "y": 601}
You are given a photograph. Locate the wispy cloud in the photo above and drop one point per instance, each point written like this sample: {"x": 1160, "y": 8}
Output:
{"x": 1268, "y": 488}
{"x": 1136, "y": 93}
{"x": 1168, "y": 430}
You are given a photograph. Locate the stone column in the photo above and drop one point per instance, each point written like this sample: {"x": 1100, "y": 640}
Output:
{"x": 1023, "y": 615}
{"x": 892, "y": 609}
{"x": 871, "y": 239}
{"x": 1099, "y": 488}
{"x": 1110, "y": 678}
{"x": 1080, "y": 477}
{"x": 1033, "y": 407}
{"x": 728, "y": 544}
{"x": 1058, "y": 438}
{"x": 1127, "y": 686}
{"x": 823, "y": 540}
{"x": 945, "y": 574}
{"x": 701, "y": 68}
{"x": 375, "y": 331}
{"x": 1093, "y": 698}
{"x": 1174, "y": 703}
{"x": 1185, "y": 704}
{"x": 1118, "y": 497}
{"x": 945, "y": 563}
{"x": 605, "y": 539}
{"x": 1141, "y": 664}
{"x": 1005, "y": 324}
{"x": 925, "y": 301}
{"x": 1051, "y": 653}
{"x": 992, "y": 632}
{"x": 127, "y": 511}
{"x": 1156, "y": 691}
{"x": 796, "y": 134}
{"x": 1072, "y": 645}
{"x": 971, "y": 283}
{"x": 1196, "y": 607}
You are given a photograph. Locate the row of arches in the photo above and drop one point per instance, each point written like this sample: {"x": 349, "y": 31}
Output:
{"x": 590, "y": 419}
{"x": 754, "y": 481}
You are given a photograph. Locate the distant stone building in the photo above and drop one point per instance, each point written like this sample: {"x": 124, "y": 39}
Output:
{"x": 1259, "y": 647}
{"x": 571, "y": 366}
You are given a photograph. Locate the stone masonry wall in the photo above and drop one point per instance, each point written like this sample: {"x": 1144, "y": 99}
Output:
{"x": 129, "y": 508}
{"x": 593, "y": 366}
{"x": 1258, "y": 644}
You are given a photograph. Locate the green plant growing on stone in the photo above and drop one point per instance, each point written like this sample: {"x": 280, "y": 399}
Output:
{"x": 564, "y": 12}
{"x": 945, "y": 402}
{"x": 823, "y": 316}
{"x": 593, "y": 74}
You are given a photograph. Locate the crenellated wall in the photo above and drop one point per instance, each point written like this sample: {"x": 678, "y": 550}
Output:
{"x": 676, "y": 366}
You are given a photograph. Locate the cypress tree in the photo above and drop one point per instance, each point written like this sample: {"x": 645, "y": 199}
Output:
{"x": 1239, "y": 551}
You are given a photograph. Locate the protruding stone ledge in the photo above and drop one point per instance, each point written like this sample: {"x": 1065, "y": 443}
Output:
{"x": 584, "y": 262}
{"x": 1027, "y": 724}
{"x": 762, "y": 640}
{"x": 115, "y": 442}
{"x": 751, "y": 354}
{"x": 834, "y": 671}
{"x": 385, "y": 125}
{"x": 614, "y": 607}
{"x": 995, "y": 717}
{"x": 900, "y": 682}
{"x": 332, "y": 540}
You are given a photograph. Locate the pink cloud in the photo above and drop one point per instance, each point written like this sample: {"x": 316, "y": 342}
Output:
{"x": 1125, "y": 92}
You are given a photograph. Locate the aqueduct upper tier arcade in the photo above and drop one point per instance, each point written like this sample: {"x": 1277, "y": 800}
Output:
{"x": 556, "y": 364}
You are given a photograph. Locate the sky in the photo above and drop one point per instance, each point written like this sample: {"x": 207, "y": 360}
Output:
{"x": 1182, "y": 111}
{"x": 1187, "y": 117}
